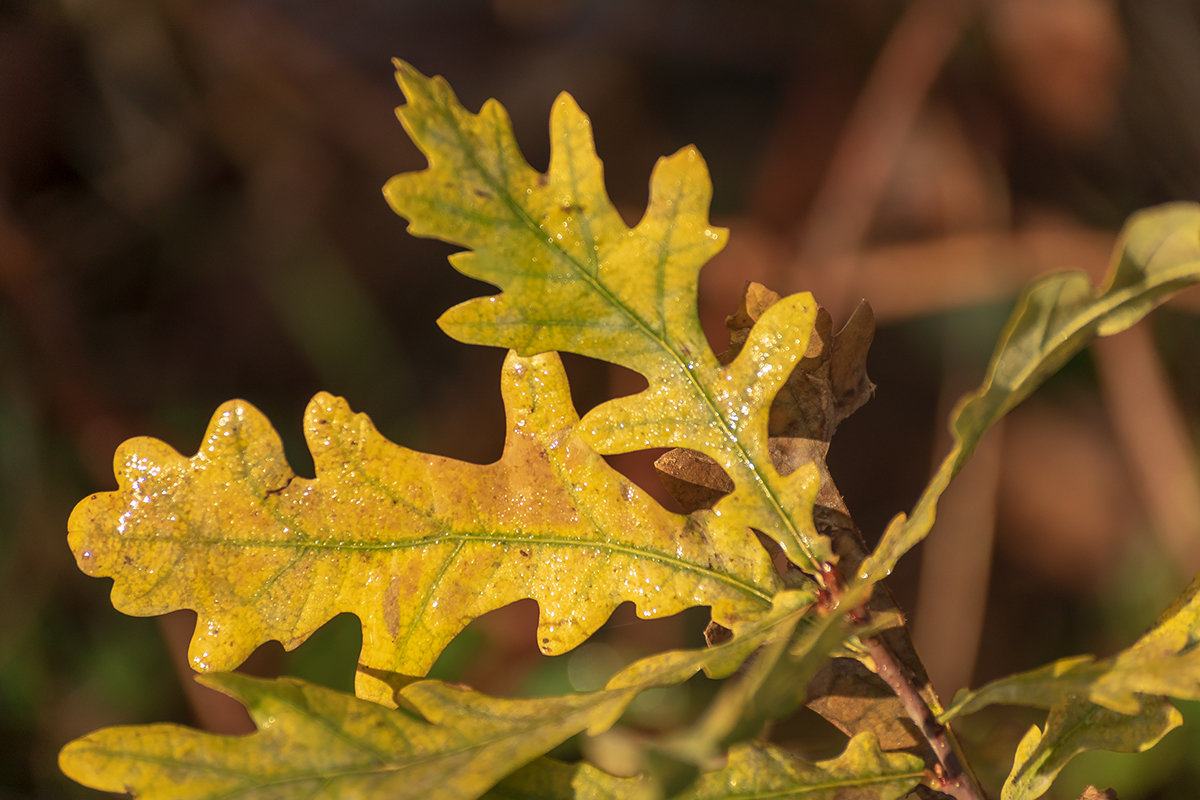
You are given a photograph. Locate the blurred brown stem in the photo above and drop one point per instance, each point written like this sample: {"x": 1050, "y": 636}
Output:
{"x": 879, "y": 126}
{"x": 1154, "y": 435}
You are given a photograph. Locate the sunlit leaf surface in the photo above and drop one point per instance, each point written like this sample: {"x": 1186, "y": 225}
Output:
{"x": 446, "y": 743}
{"x": 754, "y": 770}
{"x": 415, "y": 545}
{"x": 862, "y": 772}
{"x": 576, "y": 278}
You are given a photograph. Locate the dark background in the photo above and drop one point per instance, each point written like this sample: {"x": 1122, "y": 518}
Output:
{"x": 190, "y": 211}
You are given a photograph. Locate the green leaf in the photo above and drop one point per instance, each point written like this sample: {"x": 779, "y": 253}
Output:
{"x": 576, "y": 278}
{"x": 753, "y": 770}
{"x": 1075, "y": 726}
{"x": 1165, "y": 661}
{"x": 1117, "y": 703}
{"x": 1055, "y": 318}
{"x": 861, "y": 772}
{"x": 770, "y": 687}
{"x": 315, "y": 742}
{"x": 547, "y": 779}
{"x": 404, "y": 540}
{"x": 719, "y": 661}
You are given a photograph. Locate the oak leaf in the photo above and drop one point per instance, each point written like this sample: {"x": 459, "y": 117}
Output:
{"x": 1075, "y": 726}
{"x": 415, "y": 545}
{"x": 440, "y": 742}
{"x": 447, "y": 744}
{"x": 575, "y": 278}
{"x": 753, "y": 769}
{"x": 1118, "y": 703}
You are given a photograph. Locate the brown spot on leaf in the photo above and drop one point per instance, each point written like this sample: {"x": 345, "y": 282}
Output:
{"x": 391, "y": 606}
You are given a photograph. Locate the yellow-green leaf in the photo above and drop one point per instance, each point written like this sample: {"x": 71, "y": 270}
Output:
{"x": 753, "y": 770}
{"x": 415, "y": 545}
{"x": 1163, "y": 662}
{"x": 576, "y": 278}
{"x": 861, "y": 772}
{"x": 1075, "y": 726}
{"x": 547, "y": 779}
{"x": 1116, "y": 703}
{"x": 719, "y": 661}
{"x": 443, "y": 742}
{"x": 315, "y": 742}
{"x": 1055, "y": 317}
{"x": 770, "y": 687}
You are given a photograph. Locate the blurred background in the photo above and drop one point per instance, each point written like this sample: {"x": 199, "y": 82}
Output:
{"x": 190, "y": 211}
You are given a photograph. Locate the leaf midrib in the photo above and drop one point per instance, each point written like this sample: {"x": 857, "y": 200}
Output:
{"x": 507, "y": 540}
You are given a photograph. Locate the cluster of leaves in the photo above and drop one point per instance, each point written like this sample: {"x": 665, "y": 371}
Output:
{"x": 418, "y": 545}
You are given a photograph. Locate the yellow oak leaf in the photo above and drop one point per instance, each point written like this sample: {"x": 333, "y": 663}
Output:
{"x": 415, "y": 545}
{"x": 575, "y": 278}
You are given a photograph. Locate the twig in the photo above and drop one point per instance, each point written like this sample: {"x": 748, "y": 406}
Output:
{"x": 953, "y": 777}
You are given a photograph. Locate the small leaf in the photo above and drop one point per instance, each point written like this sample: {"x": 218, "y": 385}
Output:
{"x": 770, "y": 687}
{"x": 719, "y": 661}
{"x": 753, "y": 770}
{"x": 861, "y": 772}
{"x": 404, "y": 540}
{"x": 1037, "y": 688}
{"x": 547, "y": 779}
{"x": 1117, "y": 703}
{"x": 575, "y": 278}
{"x": 1165, "y": 661}
{"x": 1075, "y": 726}
{"x": 1055, "y": 317}
{"x": 315, "y": 742}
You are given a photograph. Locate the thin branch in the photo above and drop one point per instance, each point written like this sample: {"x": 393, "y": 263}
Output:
{"x": 954, "y": 778}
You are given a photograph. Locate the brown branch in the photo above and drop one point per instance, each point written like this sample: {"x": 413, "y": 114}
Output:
{"x": 953, "y": 778}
